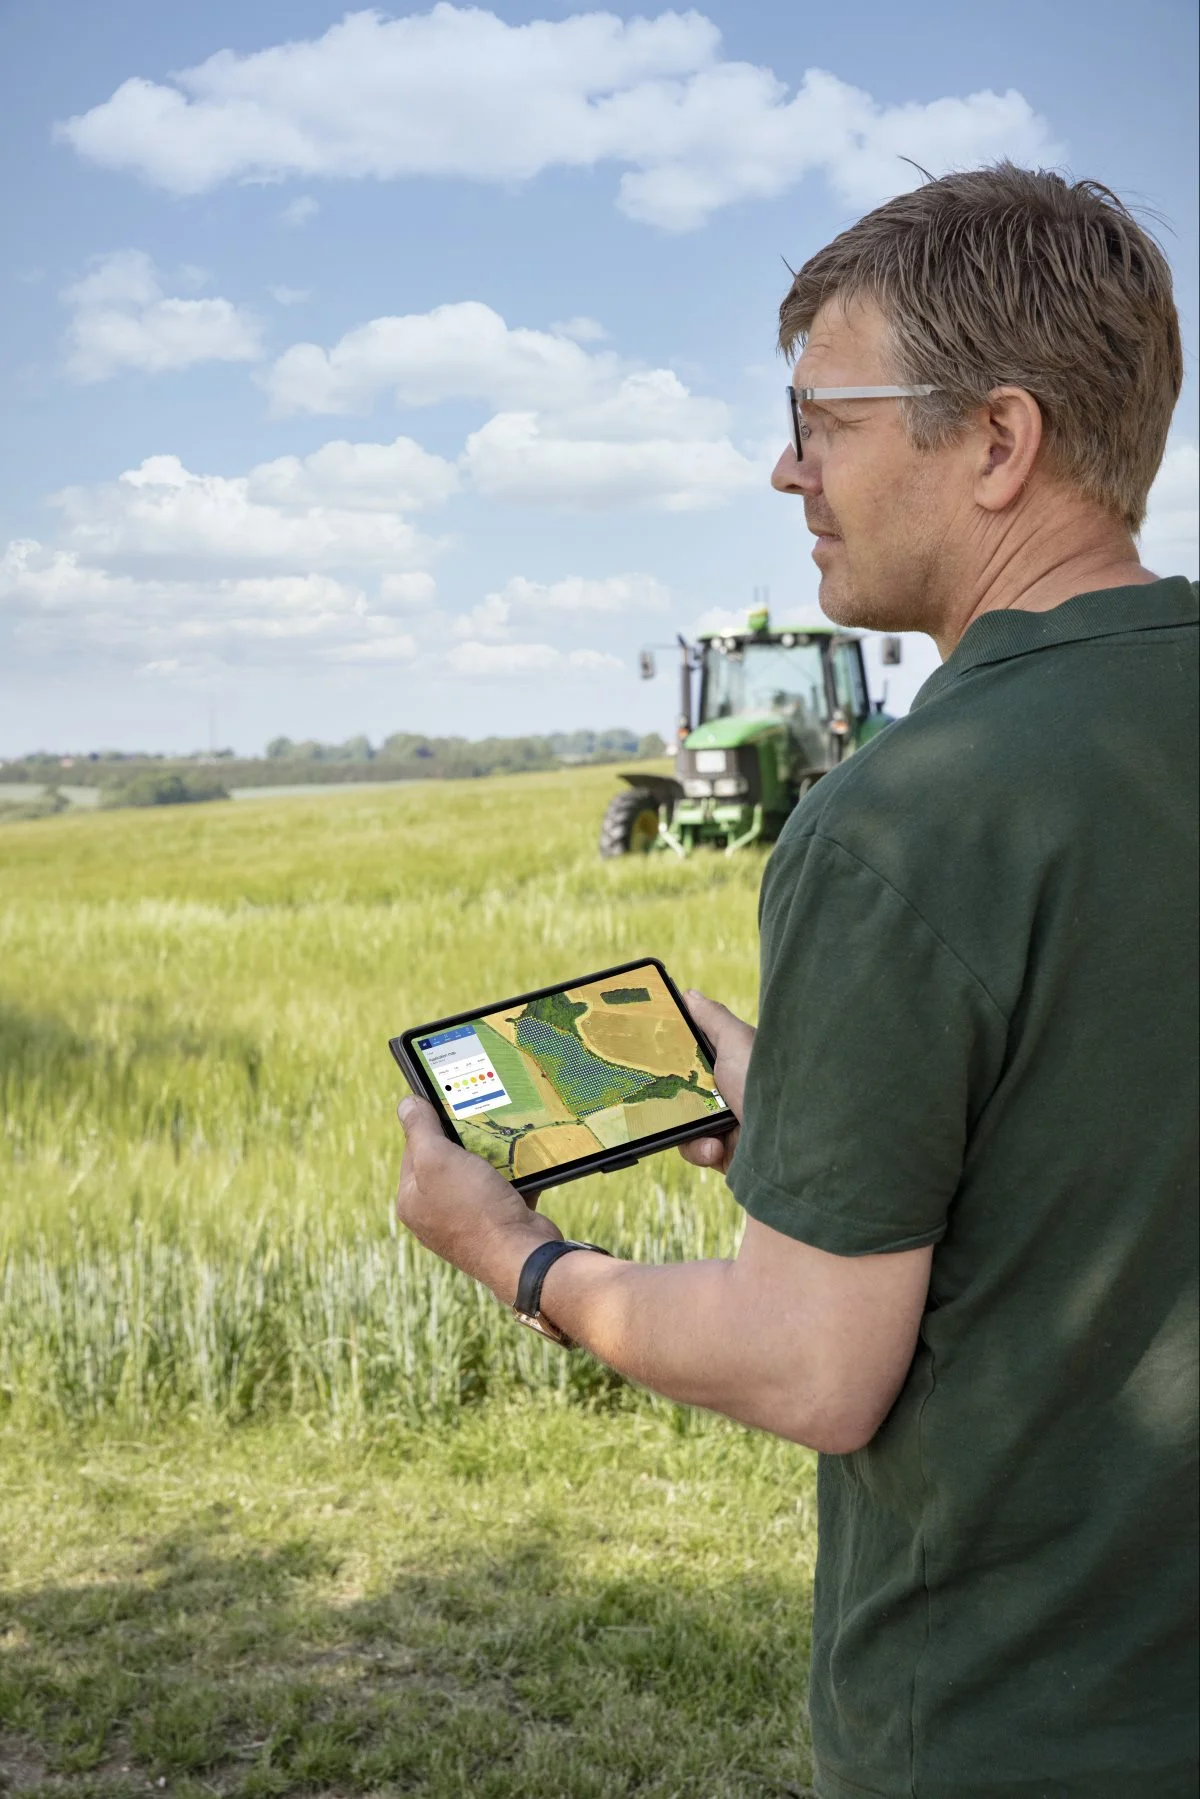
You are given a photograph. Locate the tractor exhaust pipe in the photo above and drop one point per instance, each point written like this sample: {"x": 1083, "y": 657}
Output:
{"x": 685, "y": 689}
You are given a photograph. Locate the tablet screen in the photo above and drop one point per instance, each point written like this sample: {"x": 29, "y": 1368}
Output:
{"x": 573, "y": 1073}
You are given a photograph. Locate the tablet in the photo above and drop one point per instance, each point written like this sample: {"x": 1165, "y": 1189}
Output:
{"x": 575, "y": 1079}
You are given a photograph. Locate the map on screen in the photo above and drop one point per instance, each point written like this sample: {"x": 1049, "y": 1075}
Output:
{"x": 579, "y": 1071}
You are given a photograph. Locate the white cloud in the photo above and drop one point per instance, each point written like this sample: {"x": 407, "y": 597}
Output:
{"x": 164, "y": 566}
{"x": 458, "y": 92}
{"x": 289, "y": 296}
{"x": 370, "y": 477}
{"x": 582, "y": 329}
{"x": 121, "y": 319}
{"x": 299, "y": 211}
{"x": 488, "y": 647}
{"x": 572, "y": 599}
{"x": 412, "y": 592}
{"x": 465, "y": 351}
{"x": 731, "y": 133}
{"x": 648, "y": 404}
{"x": 487, "y": 660}
{"x": 1169, "y": 541}
{"x": 577, "y": 595}
{"x": 517, "y": 457}
{"x": 170, "y": 626}
{"x": 575, "y": 427}
{"x": 726, "y": 618}
{"x": 459, "y": 351}
{"x": 489, "y": 622}
{"x": 161, "y": 518}
{"x": 380, "y": 646}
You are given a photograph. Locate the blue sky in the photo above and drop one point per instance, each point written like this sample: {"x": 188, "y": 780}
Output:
{"x": 409, "y": 370}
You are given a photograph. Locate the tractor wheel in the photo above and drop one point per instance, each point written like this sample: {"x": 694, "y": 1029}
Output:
{"x": 630, "y": 824}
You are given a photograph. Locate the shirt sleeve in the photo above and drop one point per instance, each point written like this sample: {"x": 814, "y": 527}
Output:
{"x": 875, "y": 1051}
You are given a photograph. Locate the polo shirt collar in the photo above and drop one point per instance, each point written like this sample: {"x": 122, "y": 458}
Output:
{"x": 999, "y": 636}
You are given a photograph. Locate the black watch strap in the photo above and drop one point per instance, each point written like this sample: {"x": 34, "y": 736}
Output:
{"x": 528, "y": 1303}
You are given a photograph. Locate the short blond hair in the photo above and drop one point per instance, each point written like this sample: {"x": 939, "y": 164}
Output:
{"x": 1016, "y": 277}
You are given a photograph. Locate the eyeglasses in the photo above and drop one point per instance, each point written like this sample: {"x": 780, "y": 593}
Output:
{"x": 798, "y": 395}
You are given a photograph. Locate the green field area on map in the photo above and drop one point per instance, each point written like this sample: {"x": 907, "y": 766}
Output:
{"x": 586, "y": 1069}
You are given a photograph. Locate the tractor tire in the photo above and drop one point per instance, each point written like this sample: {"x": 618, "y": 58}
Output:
{"x": 630, "y": 824}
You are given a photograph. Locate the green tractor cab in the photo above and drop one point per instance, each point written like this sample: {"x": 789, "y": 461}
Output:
{"x": 776, "y": 711}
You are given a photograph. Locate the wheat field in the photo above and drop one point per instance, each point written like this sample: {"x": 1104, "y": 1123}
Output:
{"x": 199, "y": 1144}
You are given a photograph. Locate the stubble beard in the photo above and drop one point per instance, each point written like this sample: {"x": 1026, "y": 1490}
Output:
{"x": 898, "y": 584}
{"x": 876, "y": 601}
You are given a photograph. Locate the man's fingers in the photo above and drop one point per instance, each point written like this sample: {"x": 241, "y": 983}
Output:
{"x": 714, "y": 1019}
{"x": 708, "y": 1013}
{"x": 703, "y": 1152}
{"x": 422, "y": 1129}
{"x": 415, "y": 1114}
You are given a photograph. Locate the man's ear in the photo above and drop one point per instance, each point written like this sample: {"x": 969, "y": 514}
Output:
{"x": 1010, "y": 436}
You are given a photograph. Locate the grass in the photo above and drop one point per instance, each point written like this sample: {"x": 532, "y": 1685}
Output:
{"x": 285, "y": 1505}
{"x": 536, "y": 1602}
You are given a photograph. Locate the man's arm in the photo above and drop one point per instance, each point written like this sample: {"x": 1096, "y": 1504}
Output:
{"x": 808, "y": 1345}
{"x": 791, "y": 1339}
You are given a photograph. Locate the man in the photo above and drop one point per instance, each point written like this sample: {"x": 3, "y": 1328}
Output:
{"x": 968, "y": 1144}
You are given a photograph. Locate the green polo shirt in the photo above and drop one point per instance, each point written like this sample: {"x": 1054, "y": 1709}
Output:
{"x": 978, "y": 1031}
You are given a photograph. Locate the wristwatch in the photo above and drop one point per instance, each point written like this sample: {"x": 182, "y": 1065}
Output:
{"x": 528, "y": 1303}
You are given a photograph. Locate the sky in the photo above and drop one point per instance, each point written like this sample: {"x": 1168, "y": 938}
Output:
{"x": 411, "y": 370}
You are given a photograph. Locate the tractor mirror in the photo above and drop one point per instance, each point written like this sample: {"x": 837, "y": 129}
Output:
{"x": 891, "y": 651}
{"x": 647, "y": 668}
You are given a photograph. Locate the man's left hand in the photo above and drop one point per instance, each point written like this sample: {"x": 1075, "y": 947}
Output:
{"x": 461, "y": 1208}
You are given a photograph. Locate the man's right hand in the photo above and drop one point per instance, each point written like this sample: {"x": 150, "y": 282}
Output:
{"x": 732, "y": 1039}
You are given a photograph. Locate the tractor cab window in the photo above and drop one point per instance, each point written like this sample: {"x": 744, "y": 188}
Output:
{"x": 764, "y": 680}
{"x": 769, "y": 680}
{"x": 848, "y": 682}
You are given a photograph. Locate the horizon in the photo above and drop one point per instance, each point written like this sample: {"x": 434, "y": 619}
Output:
{"x": 66, "y": 757}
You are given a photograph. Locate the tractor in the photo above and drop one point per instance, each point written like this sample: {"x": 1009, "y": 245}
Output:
{"x": 777, "y": 709}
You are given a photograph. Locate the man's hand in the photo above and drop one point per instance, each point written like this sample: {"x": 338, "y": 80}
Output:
{"x": 732, "y": 1039}
{"x": 462, "y": 1209}
{"x": 785, "y": 1337}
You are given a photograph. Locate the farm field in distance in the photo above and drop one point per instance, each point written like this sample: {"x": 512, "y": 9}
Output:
{"x": 286, "y": 1506}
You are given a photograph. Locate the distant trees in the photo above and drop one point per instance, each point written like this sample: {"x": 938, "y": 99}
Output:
{"x": 150, "y": 788}
{"x": 355, "y": 749}
{"x": 145, "y": 779}
{"x": 461, "y": 756}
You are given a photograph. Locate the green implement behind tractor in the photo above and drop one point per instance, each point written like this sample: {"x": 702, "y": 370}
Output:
{"x": 777, "y": 710}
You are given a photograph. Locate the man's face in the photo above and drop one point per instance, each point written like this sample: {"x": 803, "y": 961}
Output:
{"x": 890, "y": 520}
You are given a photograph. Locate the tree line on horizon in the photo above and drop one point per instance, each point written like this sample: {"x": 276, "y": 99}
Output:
{"x": 505, "y": 752}
{"x": 139, "y": 778}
